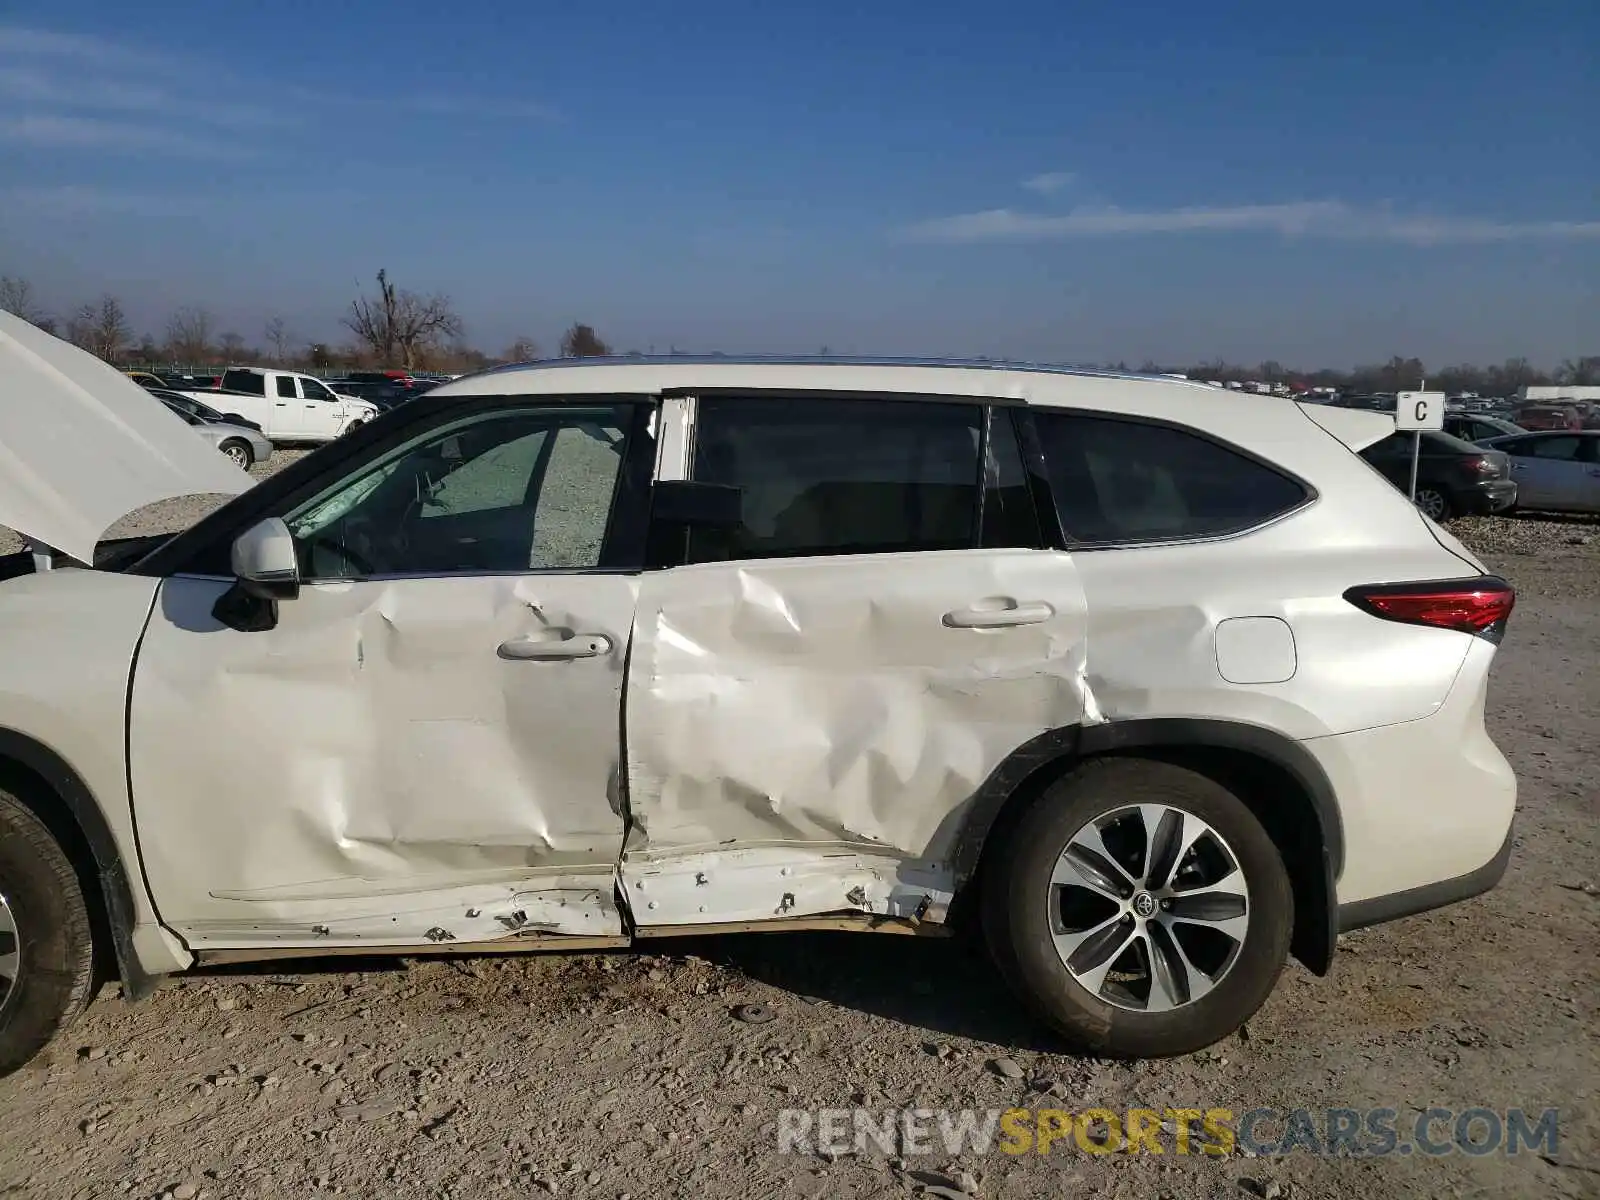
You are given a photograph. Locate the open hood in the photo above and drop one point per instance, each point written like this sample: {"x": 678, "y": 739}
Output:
{"x": 82, "y": 445}
{"x": 1357, "y": 428}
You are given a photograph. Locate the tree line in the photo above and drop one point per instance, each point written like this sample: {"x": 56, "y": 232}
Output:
{"x": 391, "y": 327}
{"x": 396, "y": 327}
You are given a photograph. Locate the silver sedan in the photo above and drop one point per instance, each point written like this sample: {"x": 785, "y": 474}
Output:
{"x": 244, "y": 446}
{"x": 1556, "y": 470}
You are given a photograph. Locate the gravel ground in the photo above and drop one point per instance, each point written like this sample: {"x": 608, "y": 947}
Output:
{"x": 629, "y": 1076}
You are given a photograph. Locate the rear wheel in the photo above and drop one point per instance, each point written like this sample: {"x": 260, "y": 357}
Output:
{"x": 1435, "y": 503}
{"x": 1140, "y": 908}
{"x": 47, "y": 968}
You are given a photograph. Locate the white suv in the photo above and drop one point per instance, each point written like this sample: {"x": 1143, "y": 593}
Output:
{"x": 1155, "y": 683}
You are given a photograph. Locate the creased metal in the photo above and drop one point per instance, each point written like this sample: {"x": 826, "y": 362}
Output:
{"x": 373, "y": 754}
{"x": 824, "y": 706}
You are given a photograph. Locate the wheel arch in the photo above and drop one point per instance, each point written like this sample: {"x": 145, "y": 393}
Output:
{"x": 43, "y": 781}
{"x": 1263, "y": 767}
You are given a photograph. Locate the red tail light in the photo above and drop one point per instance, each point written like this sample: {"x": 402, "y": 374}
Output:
{"x": 1478, "y": 606}
{"x": 1481, "y": 464}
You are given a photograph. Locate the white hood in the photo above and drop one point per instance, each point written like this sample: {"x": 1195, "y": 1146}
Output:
{"x": 82, "y": 445}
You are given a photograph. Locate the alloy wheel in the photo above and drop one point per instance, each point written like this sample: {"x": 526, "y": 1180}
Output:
{"x": 1148, "y": 908}
{"x": 238, "y": 454}
{"x": 10, "y": 953}
{"x": 1432, "y": 503}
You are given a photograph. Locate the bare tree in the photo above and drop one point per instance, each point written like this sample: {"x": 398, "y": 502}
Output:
{"x": 1583, "y": 371}
{"x": 401, "y": 325}
{"x": 189, "y": 335}
{"x": 581, "y": 341}
{"x": 233, "y": 348}
{"x": 101, "y": 327}
{"x": 523, "y": 349}
{"x": 17, "y": 297}
{"x": 281, "y": 340}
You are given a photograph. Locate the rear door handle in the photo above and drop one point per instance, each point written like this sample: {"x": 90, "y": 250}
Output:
{"x": 577, "y": 645}
{"x": 1028, "y": 612}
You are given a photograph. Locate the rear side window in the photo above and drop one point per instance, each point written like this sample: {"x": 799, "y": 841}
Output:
{"x": 286, "y": 385}
{"x": 1117, "y": 481}
{"x": 839, "y": 476}
{"x": 245, "y": 381}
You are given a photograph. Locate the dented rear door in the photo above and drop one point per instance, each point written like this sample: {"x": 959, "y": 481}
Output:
{"x": 414, "y": 753}
{"x": 814, "y": 703}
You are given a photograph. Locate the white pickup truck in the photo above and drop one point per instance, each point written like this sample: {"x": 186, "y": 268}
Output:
{"x": 288, "y": 406}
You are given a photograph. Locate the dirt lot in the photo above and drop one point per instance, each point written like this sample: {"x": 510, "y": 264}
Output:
{"x": 626, "y": 1076}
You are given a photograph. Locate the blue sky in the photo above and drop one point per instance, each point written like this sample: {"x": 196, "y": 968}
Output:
{"x": 1316, "y": 184}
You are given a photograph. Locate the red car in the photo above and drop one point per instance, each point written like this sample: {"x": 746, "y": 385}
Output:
{"x": 1549, "y": 416}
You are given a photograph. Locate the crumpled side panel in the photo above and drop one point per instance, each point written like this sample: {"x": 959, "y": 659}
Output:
{"x": 827, "y": 702}
{"x": 375, "y": 746}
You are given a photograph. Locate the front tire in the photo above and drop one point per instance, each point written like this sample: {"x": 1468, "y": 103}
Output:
{"x": 238, "y": 452}
{"x": 47, "y": 966}
{"x": 1139, "y": 908}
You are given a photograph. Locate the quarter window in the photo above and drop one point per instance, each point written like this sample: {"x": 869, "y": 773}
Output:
{"x": 513, "y": 491}
{"x": 839, "y": 476}
{"x": 1117, "y": 481}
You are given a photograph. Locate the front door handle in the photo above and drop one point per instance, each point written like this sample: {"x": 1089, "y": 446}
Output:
{"x": 573, "y": 645}
{"x": 1011, "y": 612}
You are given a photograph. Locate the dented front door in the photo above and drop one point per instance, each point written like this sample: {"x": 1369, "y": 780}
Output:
{"x": 411, "y": 754}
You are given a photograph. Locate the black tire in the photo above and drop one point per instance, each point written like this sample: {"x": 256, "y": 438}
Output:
{"x": 239, "y": 452}
{"x": 1017, "y": 897}
{"x": 1436, "y": 503}
{"x": 56, "y": 979}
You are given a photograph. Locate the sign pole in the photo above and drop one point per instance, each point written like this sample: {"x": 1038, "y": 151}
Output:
{"x": 1415, "y": 412}
{"x": 1416, "y": 451}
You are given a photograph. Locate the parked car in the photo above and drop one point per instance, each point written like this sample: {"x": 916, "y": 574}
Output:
{"x": 1479, "y": 427}
{"x": 1549, "y": 416}
{"x": 384, "y": 395}
{"x": 1369, "y": 403}
{"x": 1557, "y": 471}
{"x": 185, "y": 383}
{"x": 186, "y": 402}
{"x": 1454, "y": 477}
{"x": 1155, "y": 684}
{"x": 145, "y": 379}
{"x": 244, "y": 446}
{"x": 288, "y": 406}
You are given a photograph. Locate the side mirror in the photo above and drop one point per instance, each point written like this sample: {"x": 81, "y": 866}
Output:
{"x": 265, "y": 563}
{"x": 697, "y": 505}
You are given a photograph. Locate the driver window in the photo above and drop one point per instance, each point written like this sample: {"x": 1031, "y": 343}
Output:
{"x": 315, "y": 391}
{"x": 505, "y": 492}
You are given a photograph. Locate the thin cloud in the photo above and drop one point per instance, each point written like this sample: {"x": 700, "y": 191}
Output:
{"x": 484, "y": 108}
{"x": 55, "y": 132}
{"x": 1319, "y": 218}
{"x": 67, "y": 91}
{"x": 24, "y": 41}
{"x": 80, "y": 200}
{"x": 1051, "y": 182}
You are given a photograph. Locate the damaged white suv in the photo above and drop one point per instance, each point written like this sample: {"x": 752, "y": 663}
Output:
{"x": 1154, "y": 683}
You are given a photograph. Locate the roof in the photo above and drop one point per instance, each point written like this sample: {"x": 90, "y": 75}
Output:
{"x": 1028, "y": 382}
{"x": 822, "y": 360}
